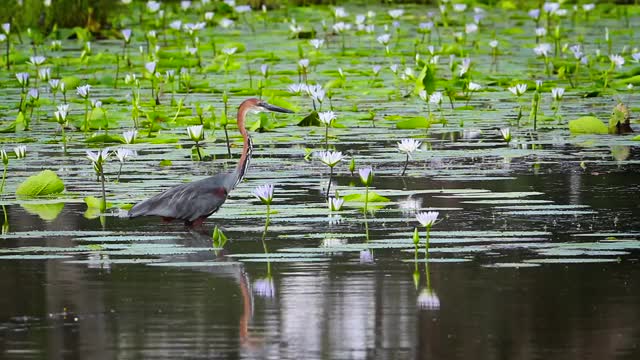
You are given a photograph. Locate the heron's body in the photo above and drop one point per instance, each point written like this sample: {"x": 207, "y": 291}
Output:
{"x": 195, "y": 201}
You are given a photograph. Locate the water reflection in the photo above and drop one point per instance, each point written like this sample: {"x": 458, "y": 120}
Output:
{"x": 427, "y": 297}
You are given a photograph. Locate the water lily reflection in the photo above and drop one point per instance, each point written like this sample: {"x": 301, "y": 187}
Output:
{"x": 366, "y": 256}
{"x": 410, "y": 205}
{"x": 265, "y": 288}
{"x": 428, "y": 300}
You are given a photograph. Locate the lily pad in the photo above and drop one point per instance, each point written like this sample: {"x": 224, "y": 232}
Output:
{"x": 588, "y": 125}
{"x": 44, "y": 183}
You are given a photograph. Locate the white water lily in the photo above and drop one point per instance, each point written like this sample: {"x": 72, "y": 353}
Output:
{"x": 470, "y": 28}
{"x": 61, "y": 113}
{"x": 423, "y": 95}
{"x": 557, "y": 93}
{"x": 33, "y": 94}
{"x": 335, "y": 203}
{"x": 316, "y": 92}
{"x": 4, "y": 157}
{"x": 195, "y": 132}
{"x": 316, "y": 43}
{"x": 518, "y": 89}
{"x": 98, "y": 157}
{"x": 297, "y": 88}
{"x": 303, "y": 63}
{"x": 226, "y": 23}
{"x": 341, "y": 27}
{"x": 542, "y": 49}
{"x": 427, "y": 219}
{"x": 409, "y": 146}
{"x": 464, "y": 66}
{"x": 126, "y": 34}
{"x": 130, "y": 136}
{"x": 376, "y": 69}
{"x": 506, "y": 134}
{"x": 327, "y": 117}
{"x": 23, "y": 78}
{"x": 153, "y": 6}
{"x": 264, "y": 193}
{"x": 83, "y": 91}
{"x": 123, "y": 154}
{"x": 230, "y": 51}
{"x": 264, "y": 70}
{"x": 330, "y": 158}
{"x": 366, "y": 175}
{"x": 493, "y": 44}
{"x": 616, "y": 60}
{"x": 44, "y": 74}
{"x": 474, "y": 86}
{"x": 151, "y": 67}
{"x": 384, "y": 39}
{"x": 459, "y": 7}
{"x": 436, "y": 98}
{"x": 339, "y": 12}
{"x": 37, "y": 60}
{"x": 20, "y": 151}
{"x": 243, "y": 9}
{"x": 396, "y": 13}
{"x": 6, "y": 28}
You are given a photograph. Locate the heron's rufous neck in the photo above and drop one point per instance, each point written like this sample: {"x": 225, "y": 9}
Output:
{"x": 243, "y": 164}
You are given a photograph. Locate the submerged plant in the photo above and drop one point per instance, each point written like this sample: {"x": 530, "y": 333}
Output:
{"x": 408, "y": 146}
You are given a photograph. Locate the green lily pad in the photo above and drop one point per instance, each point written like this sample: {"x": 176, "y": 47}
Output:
{"x": 44, "y": 183}
{"x": 588, "y": 125}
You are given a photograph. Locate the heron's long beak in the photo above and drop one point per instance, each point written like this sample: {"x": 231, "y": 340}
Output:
{"x": 274, "y": 108}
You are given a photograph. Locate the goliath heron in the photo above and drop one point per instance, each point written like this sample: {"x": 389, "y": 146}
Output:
{"x": 194, "y": 202}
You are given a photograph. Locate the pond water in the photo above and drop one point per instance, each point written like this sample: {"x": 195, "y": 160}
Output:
{"x": 535, "y": 254}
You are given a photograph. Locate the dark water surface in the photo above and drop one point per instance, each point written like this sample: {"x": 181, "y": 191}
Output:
{"x": 348, "y": 305}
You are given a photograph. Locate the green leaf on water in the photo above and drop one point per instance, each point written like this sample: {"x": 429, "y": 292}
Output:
{"x": 104, "y": 138}
{"x": 419, "y": 122}
{"x": 373, "y": 197}
{"x": 11, "y": 128}
{"x": 587, "y": 125}
{"x": 44, "y": 183}
{"x": 165, "y": 162}
{"x": 95, "y": 203}
{"x": 310, "y": 120}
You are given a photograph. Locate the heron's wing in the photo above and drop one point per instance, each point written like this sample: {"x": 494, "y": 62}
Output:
{"x": 186, "y": 202}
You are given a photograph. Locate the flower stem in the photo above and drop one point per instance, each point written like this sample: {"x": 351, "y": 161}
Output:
{"x": 406, "y": 162}
{"x": 326, "y": 137}
{"x": 366, "y": 198}
{"x": 329, "y": 186}
{"x": 426, "y": 245}
{"x": 103, "y": 205}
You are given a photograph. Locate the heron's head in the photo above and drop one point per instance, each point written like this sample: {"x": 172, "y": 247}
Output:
{"x": 257, "y": 105}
